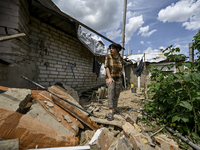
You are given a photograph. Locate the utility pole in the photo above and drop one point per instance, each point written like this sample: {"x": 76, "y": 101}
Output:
{"x": 123, "y": 27}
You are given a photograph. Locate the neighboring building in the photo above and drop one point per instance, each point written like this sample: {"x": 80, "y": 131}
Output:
{"x": 154, "y": 59}
{"x": 48, "y": 50}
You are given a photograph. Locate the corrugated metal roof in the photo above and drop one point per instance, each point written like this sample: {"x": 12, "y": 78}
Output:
{"x": 149, "y": 57}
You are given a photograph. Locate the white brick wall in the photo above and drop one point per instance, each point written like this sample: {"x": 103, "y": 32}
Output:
{"x": 49, "y": 48}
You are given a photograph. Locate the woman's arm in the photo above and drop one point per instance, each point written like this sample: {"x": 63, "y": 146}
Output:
{"x": 110, "y": 79}
{"x": 122, "y": 72}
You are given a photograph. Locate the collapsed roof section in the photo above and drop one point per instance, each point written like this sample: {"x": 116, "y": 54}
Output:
{"x": 149, "y": 57}
{"x": 48, "y": 12}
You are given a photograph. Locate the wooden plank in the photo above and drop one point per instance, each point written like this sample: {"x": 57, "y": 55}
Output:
{"x": 3, "y": 88}
{"x": 9, "y": 144}
{"x": 12, "y": 36}
{"x": 105, "y": 121}
{"x": 75, "y": 112}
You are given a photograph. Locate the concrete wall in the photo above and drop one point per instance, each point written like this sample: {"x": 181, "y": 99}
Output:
{"x": 47, "y": 50}
{"x": 133, "y": 79}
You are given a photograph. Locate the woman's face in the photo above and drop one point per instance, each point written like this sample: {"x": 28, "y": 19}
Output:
{"x": 113, "y": 51}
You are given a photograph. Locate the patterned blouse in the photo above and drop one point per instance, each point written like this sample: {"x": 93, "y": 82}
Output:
{"x": 115, "y": 66}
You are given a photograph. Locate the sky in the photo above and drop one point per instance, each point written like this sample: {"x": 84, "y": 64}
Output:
{"x": 151, "y": 25}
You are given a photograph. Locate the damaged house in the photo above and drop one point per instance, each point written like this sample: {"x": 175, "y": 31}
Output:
{"x": 54, "y": 48}
{"x": 151, "y": 59}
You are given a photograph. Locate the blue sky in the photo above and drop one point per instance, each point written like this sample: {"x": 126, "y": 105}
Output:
{"x": 151, "y": 25}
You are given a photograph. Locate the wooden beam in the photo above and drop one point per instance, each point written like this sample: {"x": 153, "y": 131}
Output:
{"x": 105, "y": 121}
{"x": 3, "y": 88}
{"x": 12, "y": 36}
{"x": 75, "y": 112}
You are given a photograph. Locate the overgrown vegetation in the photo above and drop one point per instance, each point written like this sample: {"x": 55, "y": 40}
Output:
{"x": 177, "y": 95}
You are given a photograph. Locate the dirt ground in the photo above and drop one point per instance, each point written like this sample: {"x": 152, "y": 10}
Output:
{"x": 127, "y": 101}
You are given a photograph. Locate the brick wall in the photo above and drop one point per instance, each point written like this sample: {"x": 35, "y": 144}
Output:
{"x": 51, "y": 50}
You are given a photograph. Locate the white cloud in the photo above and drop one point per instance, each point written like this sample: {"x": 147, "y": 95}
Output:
{"x": 129, "y": 4}
{"x": 186, "y": 11}
{"x": 144, "y": 31}
{"x": 139, "y": 51}
{"x": 96, "y": 14}
{"x": 150, "y": 50}
{"x": 142, "y": 42}
{"x": 134, "y": 23}
{"x": 148, "y": 42}
{"x": 162, "y": 48}
{"x": 113, "y": 34}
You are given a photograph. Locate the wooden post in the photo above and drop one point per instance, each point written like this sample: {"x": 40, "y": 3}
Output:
{"x": 12, "y": 37}
{"x": 138, "y": 62}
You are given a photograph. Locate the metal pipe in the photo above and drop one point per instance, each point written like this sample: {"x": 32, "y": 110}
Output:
{"x": 42, "y": 87}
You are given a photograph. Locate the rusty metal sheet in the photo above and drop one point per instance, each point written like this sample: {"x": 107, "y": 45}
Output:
{"x": 58, "y": 111}
{"x": 31, "y": 132}
{"x": 75, "y": 112}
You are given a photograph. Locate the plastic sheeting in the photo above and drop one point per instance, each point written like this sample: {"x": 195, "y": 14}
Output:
{"x": 96, "y": 47}
{"x": 149, "y": 57}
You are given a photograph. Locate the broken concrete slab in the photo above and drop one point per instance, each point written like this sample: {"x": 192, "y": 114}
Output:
{"x": 100, "y": 140}
{"x": 39, "y": 113}
{"x": 57, "y": 112}
{"x": 121, "y": 143}
{"x": 12, "y": 98}
{"x": 31, "y": 132}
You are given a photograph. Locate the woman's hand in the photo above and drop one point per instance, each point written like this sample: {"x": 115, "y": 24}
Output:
{"x": 110, "y": 80}
{"x": 122, "y": 72}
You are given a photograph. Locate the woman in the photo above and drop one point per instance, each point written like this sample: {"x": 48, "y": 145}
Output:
{"x": 114, "y": 69}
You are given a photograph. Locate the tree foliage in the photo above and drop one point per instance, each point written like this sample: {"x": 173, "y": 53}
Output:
{"x": 196, "y": 43}
{"x": 176, "y": 95}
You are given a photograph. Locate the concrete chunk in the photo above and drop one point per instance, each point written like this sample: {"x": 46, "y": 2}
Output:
{"x": 121, "y": 144}
{"x": 100, "y": 140}
{"x": 13, "y": 97}
{"x": 166, "y": 142}
{"x": 130, "y": 129}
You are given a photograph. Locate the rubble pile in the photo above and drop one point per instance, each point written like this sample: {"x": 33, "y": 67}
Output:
{"x": 39, "y": 119}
